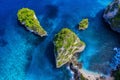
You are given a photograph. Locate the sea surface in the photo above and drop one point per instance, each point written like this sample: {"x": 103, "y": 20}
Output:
{"x": 26, "y": 56}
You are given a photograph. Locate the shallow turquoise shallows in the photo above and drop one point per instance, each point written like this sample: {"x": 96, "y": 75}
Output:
{"x": 25, "y": 56}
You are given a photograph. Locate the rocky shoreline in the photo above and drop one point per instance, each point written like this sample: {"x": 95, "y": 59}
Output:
{"x": 74, "y": 67}
{"x": 112, "y": 15}
{"x": 79, "y": 73}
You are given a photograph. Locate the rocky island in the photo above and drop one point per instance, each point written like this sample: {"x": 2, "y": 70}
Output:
{"x": 112, "y": 15}
{"x": 66, "y": 45}
{"x": 28, "y": 18}
{"x": 83, "y": 24}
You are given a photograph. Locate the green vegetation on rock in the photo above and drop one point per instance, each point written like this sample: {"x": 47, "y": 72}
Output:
{"x": 83, "y": 24}
{"x": 115, "y": 22}
{"x": 66, "y": 44}
{"x": 116, "y": 74}
{"x": 82, "y": 77}
{"x": 28, "y": 18}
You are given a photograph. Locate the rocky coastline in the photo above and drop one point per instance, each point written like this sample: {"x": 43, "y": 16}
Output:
{"x": 112, "y": 15}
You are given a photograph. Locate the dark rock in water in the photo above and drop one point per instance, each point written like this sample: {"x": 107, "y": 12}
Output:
{"x": 74, "y": 67}
{"x": 112, "y": 15}
{"x": 76, "y": 72}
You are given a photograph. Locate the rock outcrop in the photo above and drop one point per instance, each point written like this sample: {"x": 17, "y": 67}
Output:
{"x": 83, "y": 24}
{"x": 112, "y": 15}
{"x": 66, "y": 45}
{"x": 28, "y": 18}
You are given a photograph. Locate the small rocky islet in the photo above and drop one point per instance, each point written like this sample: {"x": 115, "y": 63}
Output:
{"x": 28, "y": 18}
{"x": 83, "y": 24}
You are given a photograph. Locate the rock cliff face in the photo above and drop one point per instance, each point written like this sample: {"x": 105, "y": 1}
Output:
{"x": 112, "y": 15}
{"x": 66, "y": 45}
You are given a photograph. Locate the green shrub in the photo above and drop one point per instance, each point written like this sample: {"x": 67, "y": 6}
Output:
{"x": 83, "y": 24}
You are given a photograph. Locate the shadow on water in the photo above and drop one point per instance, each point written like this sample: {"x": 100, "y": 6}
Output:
{"x": 29, "y": 59}
{"x": 68, "y": 20}
{"x": 31, "y": 38}
{"x": 51, "y": 11}
{"x": 49, "y": 53}
{"x": 3, "y": 42}
{"x": 2, "y": 32}
{"x": 49, "y": 14}
{"x": 46, "y": 23}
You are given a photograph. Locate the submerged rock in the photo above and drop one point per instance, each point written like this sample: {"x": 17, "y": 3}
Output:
{"x": 28, "y": 18}
{"x": 66, "y": 45}
{"x": 112, "y": 15}
{"x": 116, "y": 59}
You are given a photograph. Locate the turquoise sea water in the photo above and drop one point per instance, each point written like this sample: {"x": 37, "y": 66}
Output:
{"x": 25, "y": 56}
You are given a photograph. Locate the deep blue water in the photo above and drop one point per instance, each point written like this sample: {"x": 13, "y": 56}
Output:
{"x": 25, "y": 56}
